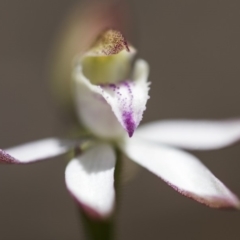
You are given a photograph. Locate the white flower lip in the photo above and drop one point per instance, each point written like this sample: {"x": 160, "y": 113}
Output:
{"x": 107, "y": 109}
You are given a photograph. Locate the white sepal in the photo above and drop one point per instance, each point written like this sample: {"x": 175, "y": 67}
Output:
{"x": 36, "y": 150}
{"x": 182, "y": 171}
{"x": 192, "y": 134}
{"x": 90, "y": 180}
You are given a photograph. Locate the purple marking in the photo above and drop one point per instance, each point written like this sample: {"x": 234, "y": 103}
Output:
{"x": 6, "y": 158}
{"x": 113, "y": 86}
{"x": 125, "y": 103}
{"x": 129, "y": 122}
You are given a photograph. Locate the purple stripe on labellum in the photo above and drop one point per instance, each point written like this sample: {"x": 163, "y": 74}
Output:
{"x": 6, "y": 158}
{"x": 127, "y": 115}
{"x": 129, "y": 122}
{"x": 124, "y": 100}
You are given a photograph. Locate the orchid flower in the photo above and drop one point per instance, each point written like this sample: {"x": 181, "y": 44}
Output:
{"x": 110, "y": 98}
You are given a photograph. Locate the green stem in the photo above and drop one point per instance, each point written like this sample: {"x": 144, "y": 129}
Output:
{"x": 103, "y": 229}
{"x": 97, "y": 229}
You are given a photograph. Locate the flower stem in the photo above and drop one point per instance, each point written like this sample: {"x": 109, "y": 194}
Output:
{"x": 97, "y": 229}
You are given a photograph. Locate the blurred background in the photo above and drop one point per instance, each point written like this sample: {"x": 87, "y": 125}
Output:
{"x": 194, "y": 52}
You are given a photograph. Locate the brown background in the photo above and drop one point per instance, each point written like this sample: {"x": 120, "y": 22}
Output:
{"x": 193, "y": 50}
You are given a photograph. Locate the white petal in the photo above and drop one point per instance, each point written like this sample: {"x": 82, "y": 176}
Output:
{"x": 192, "y": 134}
{"x": 36, "y": 150}
{"x": 182, "y": 171}
{"x": 106, "y": 109}
{"x": 90, "y": 179}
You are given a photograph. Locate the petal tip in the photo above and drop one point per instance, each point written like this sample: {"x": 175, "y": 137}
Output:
{"x": 91, "y": 212}
{"x": 218, "y": 202}
{"x": 6, "y": 158}
{"x": 229, "y": 205}
{"x": 236, "y": 204}
{"x": 99, "y": 216}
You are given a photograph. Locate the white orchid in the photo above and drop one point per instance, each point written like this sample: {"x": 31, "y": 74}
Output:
{"x": 110, "y": 100}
